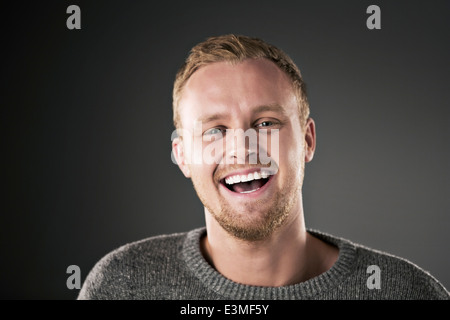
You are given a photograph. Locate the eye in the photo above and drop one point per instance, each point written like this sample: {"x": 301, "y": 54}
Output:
{"x": 265, "y": 124}
{"x": 217, "y": 133}
{"x": 212, "y": 131}
{"x": 268, "y": 124}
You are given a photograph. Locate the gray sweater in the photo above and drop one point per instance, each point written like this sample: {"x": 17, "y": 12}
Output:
{"x": 172, "y": 267}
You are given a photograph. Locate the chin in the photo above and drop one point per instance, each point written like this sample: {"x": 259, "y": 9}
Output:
{"x": 252, "y": 225}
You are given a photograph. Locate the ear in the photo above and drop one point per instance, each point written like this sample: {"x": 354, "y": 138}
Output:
{"x": 178, "y": 153}
{"x": 310, "y": 139}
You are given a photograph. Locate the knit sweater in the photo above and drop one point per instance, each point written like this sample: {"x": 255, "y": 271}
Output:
{"x": 172, "y": 267}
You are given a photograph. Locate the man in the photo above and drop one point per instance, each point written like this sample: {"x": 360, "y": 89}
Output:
{"x": 244, "y": 136}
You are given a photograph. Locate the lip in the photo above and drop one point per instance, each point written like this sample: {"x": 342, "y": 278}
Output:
{"x": 246, "y": 172}
{"x": 247, "y": 196}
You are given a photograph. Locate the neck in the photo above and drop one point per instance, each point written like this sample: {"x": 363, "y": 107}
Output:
{"x": 290, "y": 255}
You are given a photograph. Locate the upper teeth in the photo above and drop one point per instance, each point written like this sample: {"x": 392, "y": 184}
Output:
{"x": 247, "y": 177}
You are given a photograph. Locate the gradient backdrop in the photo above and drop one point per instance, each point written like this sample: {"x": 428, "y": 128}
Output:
{"x": 86, "y": 121}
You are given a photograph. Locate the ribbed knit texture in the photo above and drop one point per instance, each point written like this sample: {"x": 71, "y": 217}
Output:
{"x": 172, "y": 267}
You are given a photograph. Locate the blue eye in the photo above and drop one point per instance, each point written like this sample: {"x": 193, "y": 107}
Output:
{"x": 213, "y": 132}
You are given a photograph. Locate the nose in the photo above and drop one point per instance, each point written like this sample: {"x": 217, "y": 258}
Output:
{"x": 241, "y": 147}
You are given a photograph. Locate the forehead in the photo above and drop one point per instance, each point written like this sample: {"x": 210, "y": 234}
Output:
{"x": 235, "y": 88}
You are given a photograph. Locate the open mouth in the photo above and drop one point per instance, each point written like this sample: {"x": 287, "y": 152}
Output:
{"x": 246, "y": 183}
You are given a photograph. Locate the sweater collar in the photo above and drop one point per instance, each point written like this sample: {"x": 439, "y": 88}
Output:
{"x": 229, "y": 289}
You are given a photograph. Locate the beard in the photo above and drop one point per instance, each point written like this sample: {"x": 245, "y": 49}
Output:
{"x": 259, "y": 219}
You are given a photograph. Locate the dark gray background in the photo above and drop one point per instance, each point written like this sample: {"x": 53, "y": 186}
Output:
{"x": 86, "y": 120}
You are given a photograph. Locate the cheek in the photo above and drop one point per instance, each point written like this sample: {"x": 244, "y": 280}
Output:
{"x": 202, "y": 175}
{"x": 292, "y": 152}
{"x": 213, "y": 151}
{"x": 200, "y": 152}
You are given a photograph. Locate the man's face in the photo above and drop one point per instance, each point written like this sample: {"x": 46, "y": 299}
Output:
{"x": 248, "y": 199}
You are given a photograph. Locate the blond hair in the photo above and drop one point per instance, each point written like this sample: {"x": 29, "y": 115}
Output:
{"x": 236, "y": 48}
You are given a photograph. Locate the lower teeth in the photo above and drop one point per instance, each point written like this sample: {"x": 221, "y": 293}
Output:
{"x": 249, "y": 191}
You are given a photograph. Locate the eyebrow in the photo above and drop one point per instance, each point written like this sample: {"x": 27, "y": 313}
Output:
{"x": 212, "y": 117}
{"x": 270, "y": 107}
{"x": 259, "y": 109}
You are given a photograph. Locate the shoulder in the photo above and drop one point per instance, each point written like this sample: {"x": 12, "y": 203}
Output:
{"x": 399, "y": 278}
{"x": 120, "y": 272}
{"x": 374, "y": 274}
